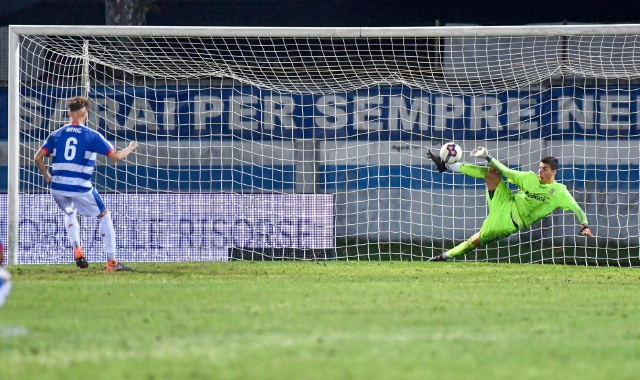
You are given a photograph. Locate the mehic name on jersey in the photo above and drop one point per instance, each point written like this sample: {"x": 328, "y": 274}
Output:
{"x": 73, "y": 129}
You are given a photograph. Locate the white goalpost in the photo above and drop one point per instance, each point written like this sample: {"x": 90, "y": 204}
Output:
{"x": 310, "y": 143}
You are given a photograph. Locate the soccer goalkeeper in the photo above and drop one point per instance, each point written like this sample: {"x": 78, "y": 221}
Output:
{"x": 539, "y": 195}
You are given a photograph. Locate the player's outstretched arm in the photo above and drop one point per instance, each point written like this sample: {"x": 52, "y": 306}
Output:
{"x": 482, "y": 152}
{"x": 119, "y": 155}
{"x": 571, "y": 204}
{"x": 40, "y": 155}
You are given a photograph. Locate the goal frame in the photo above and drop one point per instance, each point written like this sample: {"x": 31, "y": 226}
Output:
{"x": 16, "y": 31}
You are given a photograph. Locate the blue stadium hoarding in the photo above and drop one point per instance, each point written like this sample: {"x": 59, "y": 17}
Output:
{"x": 376, "y": 113}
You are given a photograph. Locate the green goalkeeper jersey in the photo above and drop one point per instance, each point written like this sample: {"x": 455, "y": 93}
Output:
{"x": 536, "y": 200}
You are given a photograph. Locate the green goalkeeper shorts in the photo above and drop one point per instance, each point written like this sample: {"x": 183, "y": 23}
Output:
{"x": 498, "y": 224}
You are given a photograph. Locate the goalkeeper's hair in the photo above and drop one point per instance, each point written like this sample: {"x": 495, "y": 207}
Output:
{"x": 551, "y": 161}
{"x": 78, "y": 103}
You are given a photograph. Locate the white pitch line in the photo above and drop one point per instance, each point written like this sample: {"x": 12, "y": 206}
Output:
{"x": 11, "y": 331}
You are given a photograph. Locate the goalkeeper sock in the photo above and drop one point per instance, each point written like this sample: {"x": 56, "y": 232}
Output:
{"x": 461, "y": 249}
{"x": 73, "y": 228}
{"x": 108, "y": 236}
{"x": 475, "y": 171}
{"x": 454, "y": 167}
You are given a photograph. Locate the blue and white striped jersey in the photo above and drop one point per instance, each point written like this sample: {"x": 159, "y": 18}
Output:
{"x": 73, "y": 149}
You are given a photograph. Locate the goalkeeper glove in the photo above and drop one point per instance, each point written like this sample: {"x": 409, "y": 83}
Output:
{"x": 585, "y": 231}
{"x": 481, "y": 152}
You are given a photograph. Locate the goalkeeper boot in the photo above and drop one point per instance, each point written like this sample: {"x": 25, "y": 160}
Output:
{"x": 81, "y": 261}
{"x": 114, "y": 266}
{"x": 438, "y": 161}
{"x": 440, "y": 257}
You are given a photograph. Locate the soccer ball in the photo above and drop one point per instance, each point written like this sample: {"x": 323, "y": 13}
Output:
{"x": 450, "y": 153}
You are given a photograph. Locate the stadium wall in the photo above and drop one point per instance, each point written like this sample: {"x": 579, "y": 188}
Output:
{"x": 367, "y": 148}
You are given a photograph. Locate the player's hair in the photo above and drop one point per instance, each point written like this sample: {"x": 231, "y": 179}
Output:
{"x": 551, "y": 161}
{"x": 78, "y": 103}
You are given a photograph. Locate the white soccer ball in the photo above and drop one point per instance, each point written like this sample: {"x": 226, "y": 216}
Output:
{"x": 450, "y": 153}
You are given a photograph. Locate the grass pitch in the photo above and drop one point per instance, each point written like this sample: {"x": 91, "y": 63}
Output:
{"x": 334, "y": 320}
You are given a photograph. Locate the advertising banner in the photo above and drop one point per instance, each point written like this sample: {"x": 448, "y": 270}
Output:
{"x": 376, "y": 113}
{"x": 177, "y": 227}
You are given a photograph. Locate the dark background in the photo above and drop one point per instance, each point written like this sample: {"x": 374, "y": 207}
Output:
{"x": 328, "y": 12}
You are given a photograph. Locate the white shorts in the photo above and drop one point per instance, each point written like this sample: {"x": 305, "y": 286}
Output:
{"x": 88, "y": 204}
{"x": 5, "y": 285}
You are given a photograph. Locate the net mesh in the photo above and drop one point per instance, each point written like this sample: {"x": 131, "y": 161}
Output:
{"x": 338, "y": 127}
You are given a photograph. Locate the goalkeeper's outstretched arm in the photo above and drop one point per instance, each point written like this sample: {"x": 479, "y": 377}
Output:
{"x": 581, "y": 215}
{"x": 481, "y": 152}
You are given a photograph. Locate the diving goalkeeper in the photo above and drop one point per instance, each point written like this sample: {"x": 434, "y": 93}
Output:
{"x": 539, "y": 195}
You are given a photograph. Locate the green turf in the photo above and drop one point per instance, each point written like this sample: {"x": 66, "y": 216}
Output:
{"x": 334, "y": 320}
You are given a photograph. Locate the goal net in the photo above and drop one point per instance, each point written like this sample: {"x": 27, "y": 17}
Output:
{"x": 310, "y": 143}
